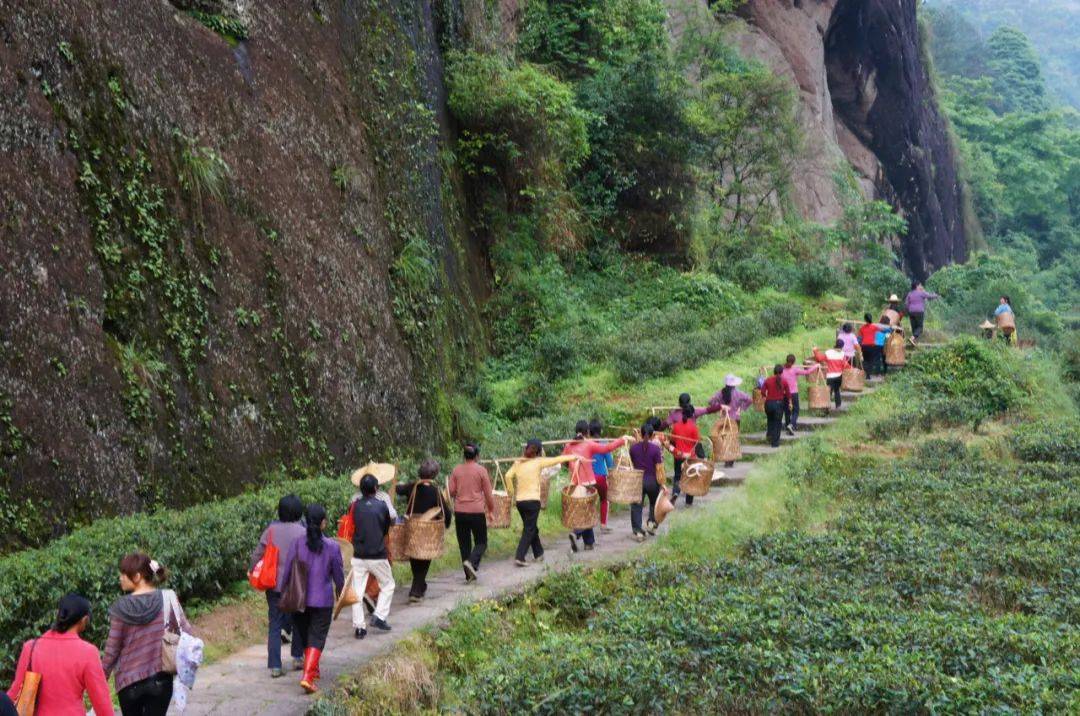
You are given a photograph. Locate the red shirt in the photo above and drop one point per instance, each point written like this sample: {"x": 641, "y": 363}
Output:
{"x": 774, "y": 388}
{"x": 868, "y": 334}
{"x": 686, "y": 436}
{"x": 69, "y": 667}
{"x": 581, "y": 473}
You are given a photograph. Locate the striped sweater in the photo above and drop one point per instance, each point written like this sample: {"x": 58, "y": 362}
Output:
{"x": 136, "y": 627}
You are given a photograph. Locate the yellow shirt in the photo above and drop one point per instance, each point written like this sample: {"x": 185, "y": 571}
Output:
{"x": 523, "y": 477}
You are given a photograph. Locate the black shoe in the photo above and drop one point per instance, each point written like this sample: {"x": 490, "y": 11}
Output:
{"x": 359, "y": 633}
{"x": 380, "y": 624}
{"x": 790, "y": 429}
{"x": 573, "y": 543}
{"x": 729, "y": 463}
{"x": 674, "y": 498}
{"x": 589, "y": 547}
{"x": 470, "y": 571}
{"x": 285, "y": 637}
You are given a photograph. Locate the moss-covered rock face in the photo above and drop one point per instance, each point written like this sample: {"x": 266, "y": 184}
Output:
{"x": 227, "y": 243}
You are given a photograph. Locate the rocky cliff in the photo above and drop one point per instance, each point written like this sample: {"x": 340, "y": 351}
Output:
{"x": 865, "y": 95}
{"x": 227, "y": 242}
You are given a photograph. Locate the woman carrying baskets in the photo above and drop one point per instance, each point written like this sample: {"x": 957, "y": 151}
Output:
{"x": 835, "y": 364}
{"x": 1005, "y": 320}
{"x": 523, "y": 481}
{"x": 687, "y": 440}
{"x": 582, "y": 472}
{"x": 777, "y": 398}
{"x": 731, "y": 401}
{"x": 602, "y": 465}
{"x": 646, "y": 455}
{"x": 790, "y": 377}
{"x": 470, "y": 489}
{"x": 424, "y": 496}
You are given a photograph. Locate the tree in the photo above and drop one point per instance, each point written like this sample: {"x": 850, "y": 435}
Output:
{"x": 1015, "y": 69}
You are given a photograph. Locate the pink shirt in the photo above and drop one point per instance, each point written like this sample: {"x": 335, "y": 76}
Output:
{"x": 849, "y": 340}
{"x": 791, "y": 374}
{"x": 582, "y": 472}
{"x": 69, "y": 667}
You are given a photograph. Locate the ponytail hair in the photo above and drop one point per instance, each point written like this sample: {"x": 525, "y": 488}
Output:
{"x": 316, "y": 515}
{"x": 141, "y": 564}
{"x": 71, "y": 610}
{"x": 725, "y": 394}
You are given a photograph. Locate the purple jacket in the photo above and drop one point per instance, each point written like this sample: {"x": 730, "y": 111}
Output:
{"x": 740, "y": 401}
{"x": 325, "y": 573}
{"x": 916, "y": 300}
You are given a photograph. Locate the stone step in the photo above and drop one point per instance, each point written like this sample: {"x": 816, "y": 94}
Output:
{"x": 810, "y": 423}
{"x": 760, "y": 438}
{"x": 753, "y": 452}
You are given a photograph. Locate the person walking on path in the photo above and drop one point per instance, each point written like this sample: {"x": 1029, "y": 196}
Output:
{"x": 884, "y": 330}
{"x": 850, "y": 341}
{"x": 684, "y": 400}
{"x": 1005, "y": 319}
{"x": 136, "y": 629}
{"x": 470, "y": 489}
{"x": 731, "y": 401}
{"x": 282, "y": 533}
{"x": 777, "y": 398}
{"x": 582, "y": 472}
{"x": 602, "y": 464}
{"x": 915, "y": 302}
{"x": 523, "y": 481}
{"x": 371, "y": 521}
{"x": 790, "y": 377}
{"x": 893, "y": 313}
{"x": 872, "y": 353}
{"x": 69, "y": 666}
{"x": 835, "y": 364}
{"x": 428, "y": 496}
{"x": 685, "y": 439}
{"x": 325, "y": 578}
{"x": 646, "y": 455}
{"x": 384, "y": 473}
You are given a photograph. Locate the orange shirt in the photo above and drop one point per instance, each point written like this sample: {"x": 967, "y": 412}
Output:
{"x": 686, "y": 436}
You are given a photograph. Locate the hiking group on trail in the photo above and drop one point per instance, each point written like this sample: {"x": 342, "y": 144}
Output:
{"x": 308, "y": 578}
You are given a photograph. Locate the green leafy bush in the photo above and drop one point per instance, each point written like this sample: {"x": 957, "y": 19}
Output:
{"x": 205, "y": 549}
{"x": 779, "y": 318}
{"x": 1047, "y": 441}
{"x": 557, "y": 354}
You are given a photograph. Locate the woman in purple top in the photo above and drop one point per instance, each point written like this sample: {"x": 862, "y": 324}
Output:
{"x": 676, "y": 415}
{"x": 731, "y": 401}
{"x": 916, "y": 307}
{"x": 325, "y": 578}
{"x": 645, "y": 455}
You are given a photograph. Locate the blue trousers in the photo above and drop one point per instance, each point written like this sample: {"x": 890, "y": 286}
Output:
{"x": 276, "y": 623}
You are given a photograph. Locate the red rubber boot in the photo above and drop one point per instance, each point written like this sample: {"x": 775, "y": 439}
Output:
{"x": 310, "y": 681}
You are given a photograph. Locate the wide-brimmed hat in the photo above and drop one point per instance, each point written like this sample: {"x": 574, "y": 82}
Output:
{"x": 986, "y": 324}
{"x": 383, "y": 472}
{"x": 894, "y": 297}
{"x": 732, "y": 380}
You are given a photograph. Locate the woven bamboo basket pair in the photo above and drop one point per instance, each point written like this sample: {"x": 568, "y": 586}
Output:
{"x": 759, "y": 400}
{"x": 894, "y": 349}
{"x": 1006, "y": 320}
{"x": 624, "y": 483}
{"x": 725, "y": 440}
{"x": 500, "y": 516}
{"x": 580, "y": 512}
{"x": 817, "y": 391}
{"x": 854, "y": 379}
{"x": 395, "y": 542}
{"x": 425, "y": 538}
{"x": 696, "y": 477}
{"x": 546, "y": 478}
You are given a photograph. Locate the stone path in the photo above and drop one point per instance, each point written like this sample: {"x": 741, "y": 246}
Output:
{"x": 240, "y": 684}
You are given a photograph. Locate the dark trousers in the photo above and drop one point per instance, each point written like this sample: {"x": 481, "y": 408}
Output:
{"x": 916, "y": 323}
{"x": 530, "y": 532}
{"x": 834, "y": 388}
{"x": 774, "y": 414}
{"x": 676, "y": 479}
{"x": 471, "y": 536}
{"x": 148, "y": 697}
{"x": 791, "y": 412}
{"x": 420, "y": 568}
{"x": 872, "y": 359}
{"x": 652, "y": 492}
{"x": 312, "y": 626}
{"x": 277, "y": 622}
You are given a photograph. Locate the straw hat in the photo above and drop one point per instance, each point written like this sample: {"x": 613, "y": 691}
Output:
{"x": 663, "y": 506}
{"x": 894, "y": 297}
{"x": 732, "y": 380}
{"x": 383, "y": 472}
{"x": 986, "y": 324}
{"x": 348, "y": 595}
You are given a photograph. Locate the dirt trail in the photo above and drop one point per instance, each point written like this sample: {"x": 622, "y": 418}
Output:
{"x": 240, "y": 684}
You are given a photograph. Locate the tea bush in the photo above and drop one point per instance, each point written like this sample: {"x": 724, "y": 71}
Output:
{"x": 205, "y": 549}
{"x": 1047, "y": 441}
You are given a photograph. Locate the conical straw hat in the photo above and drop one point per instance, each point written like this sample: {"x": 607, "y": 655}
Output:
{"x": 384, "y": 472}
{"x": 986, "y": 324}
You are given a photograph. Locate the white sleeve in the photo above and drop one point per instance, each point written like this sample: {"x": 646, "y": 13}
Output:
{"x": 389, "y": 505}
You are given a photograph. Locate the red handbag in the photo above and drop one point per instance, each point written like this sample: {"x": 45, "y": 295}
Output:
{"x": 264, "y": 576}
{"x": 346, "y": 526}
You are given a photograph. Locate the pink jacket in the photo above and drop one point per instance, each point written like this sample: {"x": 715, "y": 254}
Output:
{"x": 791, "y": 374}
{"x": 581, "y": 473}
{"x": 69, "y": 667}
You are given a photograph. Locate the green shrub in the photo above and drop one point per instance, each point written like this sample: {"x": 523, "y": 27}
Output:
{"x": 536, "y": 398}
{"x": 557, "y": 354}
{"x": 205, "y": 549}
{"x": 779, "y": 318}
{"x": 1047, "y": 441}
{"x": 817, "y": 277}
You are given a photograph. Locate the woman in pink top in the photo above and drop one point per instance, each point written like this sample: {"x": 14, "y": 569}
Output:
{"x": 790, "y": 377}
{"x": 581, "y": 472}
{"x": 69, "y": 666}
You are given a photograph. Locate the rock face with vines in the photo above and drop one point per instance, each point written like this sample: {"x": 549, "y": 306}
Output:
{"x": 228, "y": 248}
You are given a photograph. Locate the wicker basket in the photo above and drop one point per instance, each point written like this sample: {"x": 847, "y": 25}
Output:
{"x": 499, "y": 519}
{"x": 696, "y": 477}
{"x": 395, "y": 542}
{"x": 580, "y": 513}
{"x": 725, "y": 440}
{"x": 547, "y": 476}
{"x": 817, "y": 391}
{"x": 624, "y": 483}
{"x": 893, "y": 316}
{"x": 759, "y": 400}
{"x": 425, "y": 538}
{"x": 894, "y": 350}
{"x": 854, "y": 380}
{"x": 1006, "y": 320}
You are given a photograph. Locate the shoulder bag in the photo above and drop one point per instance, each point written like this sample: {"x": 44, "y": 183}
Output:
{"x": 26, "y": 701}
